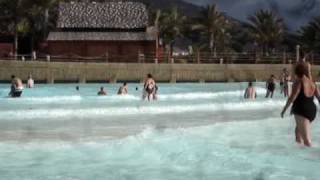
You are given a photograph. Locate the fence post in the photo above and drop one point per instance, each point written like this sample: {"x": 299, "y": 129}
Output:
{"x": 48, "y": 58}
{"x": 284, "y": 58}
{"x": 141, "y": 57}
{"x": 107, "y": 57}
{"x": 34, "y": 55}
{"x": 221, "y": 60}
{"x": 172, "y": 60}
{"x": 156, "y": 60}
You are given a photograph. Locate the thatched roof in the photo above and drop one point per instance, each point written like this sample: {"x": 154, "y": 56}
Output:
{"x": 100, "y": 36}
{"x": 114, "y": 15}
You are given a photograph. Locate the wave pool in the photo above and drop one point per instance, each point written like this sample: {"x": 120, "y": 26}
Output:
{"x": 193, "y": 132}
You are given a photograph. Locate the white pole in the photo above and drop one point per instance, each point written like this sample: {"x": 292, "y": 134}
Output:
{"x": 298, "y": 53}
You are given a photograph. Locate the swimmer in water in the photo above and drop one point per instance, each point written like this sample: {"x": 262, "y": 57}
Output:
{"x": 271, "y": 86}
{"x": 123, "y": 90}
{"x": 149, "y": 87}
{"x": 250, "y": 92}
{"x": 102, "y": 92}
{"x": 77, "y": 88}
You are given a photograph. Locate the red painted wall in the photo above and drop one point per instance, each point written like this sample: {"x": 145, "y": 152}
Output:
{"x": 116, "y": 49}
{"x": 5, "y": 49}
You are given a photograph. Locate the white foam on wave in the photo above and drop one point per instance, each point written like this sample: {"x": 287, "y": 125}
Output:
{"x": 162, "y": 97}
{"x": 207, "y": 95}
{"x": 117, "y": 97}
{"x": 63, "y": 113}
{"x": 213, "y": 150}
{"x": 46, "y": 99}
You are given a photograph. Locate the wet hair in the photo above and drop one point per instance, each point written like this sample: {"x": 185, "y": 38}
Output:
{"x": 272, "y": 76}
{"x": 301, "y": 69}
{"x": 125, "y": 83}
{"x": 77, "y": 88}
{"x": 149, "y": 76}
{"x": 13, "y": 76}
{"x": 101, "y": 87}
{"x": 250, "y": 84}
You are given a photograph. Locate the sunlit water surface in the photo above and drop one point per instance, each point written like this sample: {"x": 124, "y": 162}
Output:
{"x": 194, "y": 132}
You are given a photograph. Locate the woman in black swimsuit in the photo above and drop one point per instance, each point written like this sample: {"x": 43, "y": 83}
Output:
{"x": 303, "y": 108}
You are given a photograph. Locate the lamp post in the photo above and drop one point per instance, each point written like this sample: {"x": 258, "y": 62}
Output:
{"x": 298, "y": 53}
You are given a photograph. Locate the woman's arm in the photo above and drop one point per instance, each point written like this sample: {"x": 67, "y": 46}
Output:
{"x": 309, "y": 70}
{"x": 317, "y": 93}
{"x": 296, "y": 87}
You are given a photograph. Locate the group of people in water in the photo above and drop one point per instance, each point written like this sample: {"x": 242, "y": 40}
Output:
{"x": 251, "y": 93}
{"x": 150, "y": 89}
{"x": 304, "y": 89}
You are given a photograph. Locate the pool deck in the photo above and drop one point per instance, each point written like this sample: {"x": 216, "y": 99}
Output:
{"x": 56, "y": 72}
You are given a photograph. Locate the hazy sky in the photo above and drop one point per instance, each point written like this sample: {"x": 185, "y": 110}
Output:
{"x": 295, "y": 12}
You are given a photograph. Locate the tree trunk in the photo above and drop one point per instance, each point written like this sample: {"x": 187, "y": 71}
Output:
{"x": 211, "y": 41}
{"x": 16, "y": 38}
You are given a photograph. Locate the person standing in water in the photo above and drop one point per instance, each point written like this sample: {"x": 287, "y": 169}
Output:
{"x": 271, "y": 86}
{"x": 284, "y": 82}
{"x": 30, "y": 82}
{"x": 16, "y": 87}
{"x": 149, "y": 87}
{"x": 303, "y": 108}
{"x": 250, "y": 92}
{"x": 123, "y": 90}
{"x": 102, "y": 92}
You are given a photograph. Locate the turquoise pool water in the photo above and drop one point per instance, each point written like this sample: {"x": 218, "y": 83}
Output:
{"x": 194, "y": 132}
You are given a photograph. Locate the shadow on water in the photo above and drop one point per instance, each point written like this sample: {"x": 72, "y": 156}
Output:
{"x": 260, "y": 176}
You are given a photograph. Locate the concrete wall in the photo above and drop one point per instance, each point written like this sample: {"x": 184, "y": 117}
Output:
{"x": 92, "y": 72}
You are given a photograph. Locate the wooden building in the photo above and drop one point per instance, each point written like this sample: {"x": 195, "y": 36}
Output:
{"x": 116, "y": 30}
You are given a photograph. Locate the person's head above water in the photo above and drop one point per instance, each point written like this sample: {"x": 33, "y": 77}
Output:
{"x": 125, "y": 83}
{"x": 77, "y": 88}
{"x": 250, "y": 84}
{"x": 101, "y": 88}
{"x": 13, "y": 76}
{"x": 149, "y": 76}
{"x": 301, "y": 69}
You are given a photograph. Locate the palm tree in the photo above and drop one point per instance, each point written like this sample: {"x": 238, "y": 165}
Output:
{"x": 267, "y": 29}
{"x": 38, "y": 17}
{"x": 214, "y": 26}
{"x": 169, "y": 24}
{"x": 13, "y": 18}
{"x": 309, "y": 36}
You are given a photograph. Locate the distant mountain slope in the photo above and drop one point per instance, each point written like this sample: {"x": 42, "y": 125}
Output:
{"x": 187, "y": 8}
{"x": 294, "y": 12}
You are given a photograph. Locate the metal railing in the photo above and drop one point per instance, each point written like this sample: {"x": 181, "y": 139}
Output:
{"x": 197, "y": 58}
